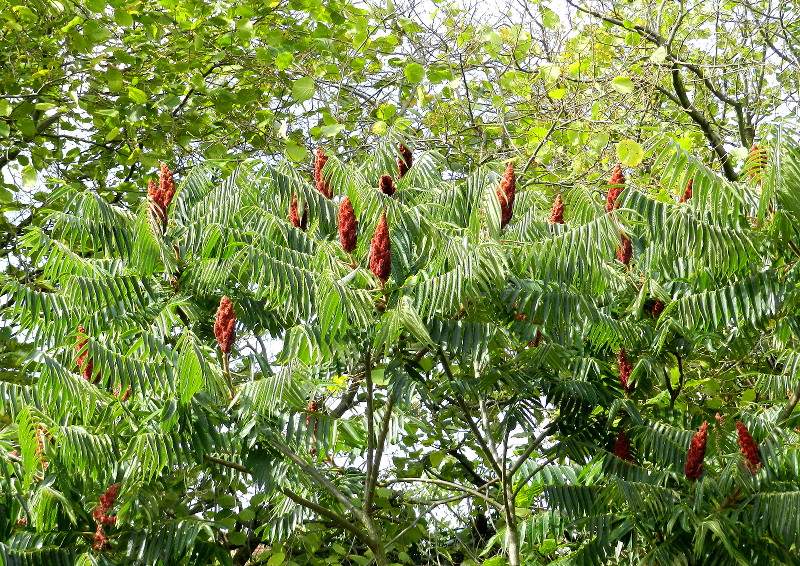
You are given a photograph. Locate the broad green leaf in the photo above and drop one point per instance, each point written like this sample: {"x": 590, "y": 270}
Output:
{"x": 549, "y": 72}
{"x": 622, "y": 85}
{"x": 137, "y": 95}
{"x": 5, "y": 107}
{"x": 332, "y": 130}
{"x": 303, "y": 89}
{"x": 114, "y": 79}
{"x": 630, "y": 153}
{"x": 414, "y": 73}
{"x": 296, "y": 152}
{"x": 550, "y": 19}
{"x": 659, "y": 55}
{"x": 283, "y": 60}
{"x": 28, "y": 176}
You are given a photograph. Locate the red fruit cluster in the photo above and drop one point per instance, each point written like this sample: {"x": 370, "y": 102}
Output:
{"x": 625, "y": 369}
{"x": 404, "y": 161}
{"x": 557, "y": 212}
{"x": 617, "y": 183}
{"x": 658, "y": 308}
{"x": 311, "y": 408}
{"x": 748, "y": 448}
{"x": 294, "y": 215}
{"x": 224, "y": 330}
{"x": 125, "y": 396}
{"x": 625, "y": 252}
{"x": 323, "y": 186}
{"x": 380, "y": 257}
{"x": 386, "y": 185}
{"x": 622, "y": 448}
{"x": 100, "y": 514}
{"x": 161, "y": 196}
{"x": 697, "y": 451}
{"x": 347, "y": 225}
{"x": 86, "y": 367}
{"x": 506, "y": 194}
{"x": 687, "y": 194}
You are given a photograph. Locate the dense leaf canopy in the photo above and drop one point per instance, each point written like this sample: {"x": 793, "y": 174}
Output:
{"x": 524, "y": 353}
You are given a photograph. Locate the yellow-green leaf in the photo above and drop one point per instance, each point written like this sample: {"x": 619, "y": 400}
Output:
{"x": 630, "y": 153}
{"x": 622, "y": 85}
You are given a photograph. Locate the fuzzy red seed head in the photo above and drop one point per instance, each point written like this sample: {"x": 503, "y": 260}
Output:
{"x": 625, "y": 369}
{"x": 152, "y": 191}
{"x": 323, "y": 186}
{"x": 100, "y": 538}
{"x": 166, "y": 186}
{"x": 224, "y": 327}
{"x": 748, "y": 448}
{"x": 658, "y": 308}
{"x": 380, "y": 257}
{"x": 557, "y": 212}
{"x": 85, "y": 366}
{"x": 687, "y": 194}
{"x": 347, "y": 225}
{"x": 404, "y": 161}
{"x": 294, "y": 216}
{"x": 79, "y": 345}
{"x": 622, "y": 448}
{"x": 386, "y": 185}
{"x": 697, "y": 451}
{"x": 616, "y": 181}
{"x": 506, "y": 211}
{"x": 625, "y": 252}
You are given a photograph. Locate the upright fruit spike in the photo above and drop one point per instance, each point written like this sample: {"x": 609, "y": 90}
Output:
{"x": 224, "y": 330}
{"x": 294, "y": 216}
{"x": 622, "y": 448}
{"x": 697, "y": 451}
{"x": 557, "y": 212}
{"x": 347, "y": 225}
{"x": 625, "y": 251}
{"x": 85, "y": 366}
{"x": 386, "y": 185}
{"x": 617, "y": 182}
{"x": 160, "y": 196}
{"x": 748, "y": 448}
{"x": 323, "y": 186}
{"x": 625, "y": 369}
{"x": 380, "y": 257}
{"x": 687, "y": 194}
{"x": 404, "y": 161}
{"x": 166, "y": 185}
{"x": 506, "y": 194}
{"x": 100, "y": 514}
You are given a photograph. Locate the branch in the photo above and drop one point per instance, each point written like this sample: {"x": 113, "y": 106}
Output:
{"x": 531, "y": 448}
{"x": 318, "y": 477}
{"x": 372, "y": 477}
{"x": 370, "y": 427}
{"x": 453, "y": 486}
{"x": 472, "y": 426}
{"x": 336, "y": 518}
